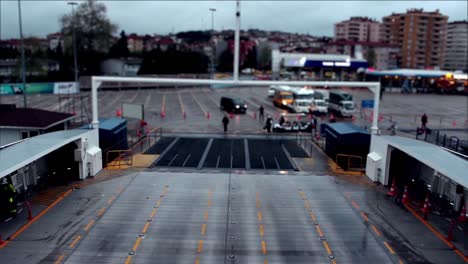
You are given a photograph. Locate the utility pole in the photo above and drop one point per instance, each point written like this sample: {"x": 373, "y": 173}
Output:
{"x": 75, "y": 57}
{"x": 236, "y": 42}
{"x": 213, "y": 10}
{"x": 23, "y": 63}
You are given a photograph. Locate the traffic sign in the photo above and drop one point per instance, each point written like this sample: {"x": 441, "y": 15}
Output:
{"x": 367, "y": 103}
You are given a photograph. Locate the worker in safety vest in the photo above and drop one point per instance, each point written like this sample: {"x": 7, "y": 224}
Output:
{"x": 8, "y": 202}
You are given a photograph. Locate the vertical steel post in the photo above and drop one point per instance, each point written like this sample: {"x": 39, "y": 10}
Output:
{"x": 237, "y": 42}
{"x": 23, "y": 62}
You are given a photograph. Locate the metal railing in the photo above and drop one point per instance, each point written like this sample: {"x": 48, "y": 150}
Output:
{"x": 450, "y": 142}
{"x": 303, "y": 141}
{"x": 118, "y": 158}
{"x": 352, "y": 162}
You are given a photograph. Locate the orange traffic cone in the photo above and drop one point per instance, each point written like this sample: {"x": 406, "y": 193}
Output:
{"x": 118, "y": 113}
{"x": 462, "y": 217}
{"x": 163, "y": 114}
{"x": 392, "y": 191}
{"x": 405, "y": 198}
{"x": 426, "y": 207}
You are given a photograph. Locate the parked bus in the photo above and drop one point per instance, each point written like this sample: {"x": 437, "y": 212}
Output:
{"x": 283, "y": 98}
{"x": 341, "y": 103}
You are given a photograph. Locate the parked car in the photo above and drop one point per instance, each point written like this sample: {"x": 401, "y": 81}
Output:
{"x": 233, "y": 104}
{"x": 271, "y": 91}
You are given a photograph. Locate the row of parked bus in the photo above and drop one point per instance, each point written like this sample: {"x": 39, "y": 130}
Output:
{"x": 316, "y": 101}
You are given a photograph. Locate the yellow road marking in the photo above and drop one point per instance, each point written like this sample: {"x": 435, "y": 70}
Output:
{"x": 137, "y": 244}
{"x": 257, "y": 204}
{"x": 307, "y": 204}
{"x": 265, "y": 262}
{"x": 389, "y": 248}
{"x": 60, "y": 258}
{"x": 100, "y": 212}
{"x": 209, "y": 202}
{"x": 197, "y": 261}
{"x": 439, "y": 235}
{"x": 302, "y": 194}
{"x": 145, "y": 228}
{"x": 205, "y": 215}
{"x": 203, "y": 229}
{"x": 21, "y": 230}
{"x": 259, "y": 216}
{"x": 200, "y": 246}
{"x": 376, "y": 231}
{"x": 111, "y": 199}
{"x": 319, "y": 230}
{"x": 364, "y": 216}
{"x": 327, "y": 247}
{"x": 312, "y": 215}
{"x": 210, "y": 192}
{"x": 262, "y": 230}
{"x": 153, "y": 213}
{"x": 355, "y": 204}
{"x": 158, "y": 203}
{"x": 334, "y": 262}
{"x": 128, "y": 260}
{"x": 264, "y": 250}
{"x": 88, "y": 226}
{"x": 400, "y": 262}
{"x": 73, "y": 243}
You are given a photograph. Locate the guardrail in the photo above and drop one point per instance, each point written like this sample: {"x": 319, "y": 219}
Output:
{"x": 304, "y": 143}
{"x": 354, "y": 163}
{"x": 120, "y": 159}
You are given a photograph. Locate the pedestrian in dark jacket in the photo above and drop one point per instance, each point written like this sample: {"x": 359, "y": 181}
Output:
{"x": 225, "y": 123}
{"x": 424, "y": 121}
{"x": 269, "y": 124}
{"x": 261, "y": 110}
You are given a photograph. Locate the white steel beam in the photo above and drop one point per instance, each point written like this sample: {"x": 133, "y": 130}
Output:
{"x": 97, "y": 80}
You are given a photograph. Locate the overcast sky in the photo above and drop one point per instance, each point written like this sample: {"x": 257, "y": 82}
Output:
{"x": 312, "y": 17}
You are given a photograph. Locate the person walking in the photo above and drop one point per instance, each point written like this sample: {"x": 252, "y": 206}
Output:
{"x": 269, "y": 124}
{"x": 424, "y": 121}
{"x": 261, "y": 110}
{"x": 225, "y": 123}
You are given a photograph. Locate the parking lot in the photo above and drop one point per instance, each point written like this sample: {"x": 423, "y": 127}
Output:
{"x": 198, "y": 109}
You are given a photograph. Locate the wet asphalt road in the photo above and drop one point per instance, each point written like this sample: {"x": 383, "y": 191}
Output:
{"x": 219, "y": 218}
{"x": 155, "y": 217}
{"x": 202, "y": 113}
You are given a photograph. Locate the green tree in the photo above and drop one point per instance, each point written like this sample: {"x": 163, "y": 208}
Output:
{"x": 93, "y": 31}
{"x": 371, "y": 57}
{"x": 92, "y": 27}
{"x": 120, "y": 49}
{"x": 264, "y": 60}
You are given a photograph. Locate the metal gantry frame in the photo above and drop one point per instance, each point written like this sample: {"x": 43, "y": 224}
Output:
{"x": 97, "y": 80}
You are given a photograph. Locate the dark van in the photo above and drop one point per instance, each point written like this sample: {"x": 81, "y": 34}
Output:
{"x": 233, "y": 104}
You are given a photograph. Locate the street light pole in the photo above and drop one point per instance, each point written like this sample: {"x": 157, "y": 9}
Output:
{"x": 75, "y": 58}
{"x": 236, "y": 42}
{"x": 23, "y": 63}
{"x": 213, "y": 10}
